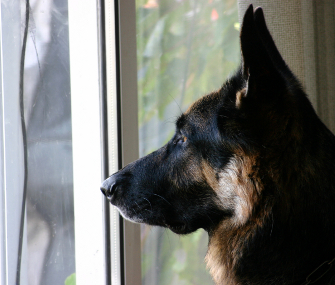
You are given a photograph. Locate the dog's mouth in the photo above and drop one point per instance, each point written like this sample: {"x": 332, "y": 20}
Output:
{"x": 144, "y": 211}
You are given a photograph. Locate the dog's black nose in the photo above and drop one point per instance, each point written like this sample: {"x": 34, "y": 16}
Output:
{"x": 108, "y": 187}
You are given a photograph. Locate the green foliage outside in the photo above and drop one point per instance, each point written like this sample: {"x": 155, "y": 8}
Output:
{"x": 185, "y": 49}
{"x": 71, "y": 280}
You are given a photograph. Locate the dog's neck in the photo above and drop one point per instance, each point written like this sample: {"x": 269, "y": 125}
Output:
{"x": 277, "y": 228}
{"x": 229, "y": 240}
{"x": 250, "y": 250}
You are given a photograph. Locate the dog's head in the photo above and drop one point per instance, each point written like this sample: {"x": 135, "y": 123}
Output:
{"x": 211, "y": 170}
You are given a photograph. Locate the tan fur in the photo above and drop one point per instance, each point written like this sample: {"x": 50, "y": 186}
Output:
{"x": 237, "y": 181}
{"x": 238, "y": 186}
{"x": 239, "y": 97}
{"x": 209, "y": 175}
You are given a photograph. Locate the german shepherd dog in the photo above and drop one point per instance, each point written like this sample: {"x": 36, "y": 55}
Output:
{"x": 254, "y": 166}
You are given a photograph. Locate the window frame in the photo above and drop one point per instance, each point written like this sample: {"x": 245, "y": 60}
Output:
{"x": 92, "y": 264}
{"x": 127, "y": 109}
{"x": 103, "y": 85}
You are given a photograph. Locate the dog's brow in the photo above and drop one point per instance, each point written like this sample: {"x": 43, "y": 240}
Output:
{"x": 180, "y": 121}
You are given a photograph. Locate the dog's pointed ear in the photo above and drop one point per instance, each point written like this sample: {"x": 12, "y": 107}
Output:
{"x": 247, "y": 39}
{"x": 269, "y": 43}
{"x": 257, "y": 64}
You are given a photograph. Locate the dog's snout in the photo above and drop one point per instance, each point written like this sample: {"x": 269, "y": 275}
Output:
{"x": 108, "y": 187}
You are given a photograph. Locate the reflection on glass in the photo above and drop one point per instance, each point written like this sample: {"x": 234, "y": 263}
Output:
{"x": 185, "y": 49}
{"x": 50, "y": 218}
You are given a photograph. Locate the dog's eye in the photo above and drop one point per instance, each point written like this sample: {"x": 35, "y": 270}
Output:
{"x": 180, "y": 140}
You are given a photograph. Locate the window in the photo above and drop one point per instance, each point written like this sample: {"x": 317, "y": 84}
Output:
{"x": 60, "y": 238}
{"x": 184, "y": 50}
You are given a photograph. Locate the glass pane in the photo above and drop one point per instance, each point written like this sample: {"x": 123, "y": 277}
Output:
{"x": 50, "y": 218}
{"x": 185, "y": 49}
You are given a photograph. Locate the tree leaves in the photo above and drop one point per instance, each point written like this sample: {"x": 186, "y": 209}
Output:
{"x": 191, "y": 45}
{"x": 185, "y": 49}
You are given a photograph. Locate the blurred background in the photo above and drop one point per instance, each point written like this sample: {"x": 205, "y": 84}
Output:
{"x": 185, "y": 49}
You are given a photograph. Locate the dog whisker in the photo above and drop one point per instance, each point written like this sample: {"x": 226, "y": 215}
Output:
{"x": 139, "y": 209}
{"x": 162, "y": 198}
{"x": 138, "y": 205}
{"x": 148, "y": 202}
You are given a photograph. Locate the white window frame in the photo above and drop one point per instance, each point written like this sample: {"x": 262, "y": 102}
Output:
{"x": 103, "y": 78}
{"x": 118, "y": 60}
{"x": 124, "y": 17}
{"x": 89, "y": 206}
